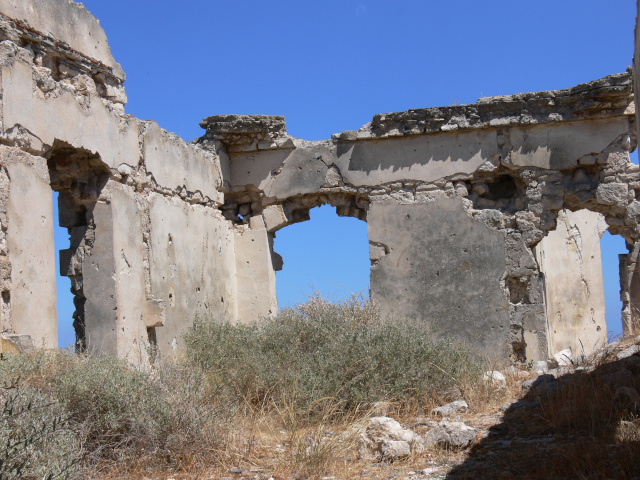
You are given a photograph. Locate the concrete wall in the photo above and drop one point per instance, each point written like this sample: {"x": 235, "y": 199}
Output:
{"x": 65, "y": 21}
{"x": 59, "y": 117}
{"x": 30, "y": 247}
{"x": 569, "y": 259}
{"x": 191, "y": 266}
{"x": 255, "y": 273}
{"x": 456, "y": 199}
{"x": 443, "y": 268}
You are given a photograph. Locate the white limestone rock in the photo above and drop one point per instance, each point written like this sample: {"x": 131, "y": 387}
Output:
{"x": 381, "y": 430}
{"x": 395, "y": 449}
{"x": 454, "y": 435}
{"x": 564, "y": 358}
{"x": 459, "y": 406}
{"x": 495, "y": 379}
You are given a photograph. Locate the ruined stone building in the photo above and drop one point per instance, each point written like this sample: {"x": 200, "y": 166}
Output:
{"x": 469, "y": 208}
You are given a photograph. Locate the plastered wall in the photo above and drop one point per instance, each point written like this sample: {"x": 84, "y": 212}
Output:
{"x": 149, "y": 249}
{"x": 483, "y": 219}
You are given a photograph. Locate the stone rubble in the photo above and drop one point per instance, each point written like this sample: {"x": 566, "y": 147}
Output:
{"x": 452, "y": 408}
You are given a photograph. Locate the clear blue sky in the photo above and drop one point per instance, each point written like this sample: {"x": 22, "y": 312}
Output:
{"x": 329, "y": 65}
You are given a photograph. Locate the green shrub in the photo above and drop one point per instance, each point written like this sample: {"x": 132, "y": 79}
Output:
{"x": 35, "y": 441}
{"x": 322, "y": 349}
{"x": 88, "y": 410}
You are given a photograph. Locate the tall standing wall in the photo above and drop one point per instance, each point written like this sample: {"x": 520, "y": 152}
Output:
{"x": 468, "y": 207}
{"x": 149, "y": 248}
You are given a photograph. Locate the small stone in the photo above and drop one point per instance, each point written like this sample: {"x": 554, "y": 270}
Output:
{"x": 454, "y": 435}
{"x": 379, "y": 431}
{"x": 394, "y": 449}
{"x": 611, "y": 193}
{"x": 459, "y": 406}
{"x": 627, "y": 352}
{"x": 235, "y": 470}
{"x": 564, "y": 358}
{"x": 495, "y": 378}
{"x": 124, "y": 169}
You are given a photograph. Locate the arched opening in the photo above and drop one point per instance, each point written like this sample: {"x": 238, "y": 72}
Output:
{"x": 328, "y": 254}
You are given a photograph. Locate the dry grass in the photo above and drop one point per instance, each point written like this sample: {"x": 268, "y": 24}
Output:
{"x": 189, "y": 421}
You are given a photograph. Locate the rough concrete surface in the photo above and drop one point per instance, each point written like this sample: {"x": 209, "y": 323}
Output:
{"x": 30, "y": 245}
{"x": 66, "y": 21}
{"x": 457, "y": 200}
{"x": 191, "y": 264}
{"x": 575, "y": 309}
{"x": 442, "y": 268}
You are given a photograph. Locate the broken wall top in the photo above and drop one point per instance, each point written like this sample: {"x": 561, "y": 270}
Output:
{"x": 67, "y": 26}
{"x": 607, "y": 97}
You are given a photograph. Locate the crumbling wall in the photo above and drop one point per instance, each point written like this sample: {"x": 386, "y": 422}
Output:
{"x": 456, "y": 198}
{"x": 149, "y": 248}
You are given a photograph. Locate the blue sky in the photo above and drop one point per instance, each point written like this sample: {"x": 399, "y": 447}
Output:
{"x": 329, "y": 65}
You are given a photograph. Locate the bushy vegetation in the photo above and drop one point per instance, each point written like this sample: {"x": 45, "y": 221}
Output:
{"x": 321, "y": 349}
{"x": 66, "y": 414}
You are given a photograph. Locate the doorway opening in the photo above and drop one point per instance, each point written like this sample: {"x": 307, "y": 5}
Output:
{"x": 328, "y": 254}
{"x": 611, "y": 247}
{"x": 77, "y": 177}
{"x": 64, "y": 301}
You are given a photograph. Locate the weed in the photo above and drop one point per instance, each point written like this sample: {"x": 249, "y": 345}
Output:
{"x": 321, "y": 350}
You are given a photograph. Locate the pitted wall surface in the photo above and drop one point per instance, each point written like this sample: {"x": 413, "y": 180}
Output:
{"x": 443, "y": 268}
{"x": 457, "y": 199}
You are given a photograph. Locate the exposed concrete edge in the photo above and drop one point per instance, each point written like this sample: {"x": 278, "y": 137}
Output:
{"x": 45, "y": 30}
{"x": 607, "y": 97}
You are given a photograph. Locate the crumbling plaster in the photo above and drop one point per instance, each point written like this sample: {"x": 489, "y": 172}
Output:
{"x": 125, "y": 187}
{"x": 507, "y": 164}
{"x": 464, "y": 204}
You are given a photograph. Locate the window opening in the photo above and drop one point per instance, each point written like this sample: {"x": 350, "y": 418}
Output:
{"x": 328, "y": 254}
